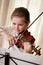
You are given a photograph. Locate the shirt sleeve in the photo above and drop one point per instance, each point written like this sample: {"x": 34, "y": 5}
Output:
{"x": 5, "y": 28}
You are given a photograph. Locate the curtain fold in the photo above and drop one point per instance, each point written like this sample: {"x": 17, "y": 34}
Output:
{"x": 3, "y": 12}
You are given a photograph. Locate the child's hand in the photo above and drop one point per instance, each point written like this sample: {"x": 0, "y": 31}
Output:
{"x": 27, "y": 47}
{"x": 11, "y": 40}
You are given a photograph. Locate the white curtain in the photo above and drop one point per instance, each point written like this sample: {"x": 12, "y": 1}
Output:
{"x": 35, "y": 7}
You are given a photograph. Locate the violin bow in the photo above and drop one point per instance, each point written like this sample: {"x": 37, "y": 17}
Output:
{"x": 35, "y": 19}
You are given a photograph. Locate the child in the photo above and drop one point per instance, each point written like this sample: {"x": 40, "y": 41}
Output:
{"x": 20, "y": 21}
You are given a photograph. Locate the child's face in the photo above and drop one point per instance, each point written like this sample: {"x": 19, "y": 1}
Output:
{"x": 18, "y": 24}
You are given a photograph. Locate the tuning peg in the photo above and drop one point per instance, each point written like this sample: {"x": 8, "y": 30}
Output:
{"x": 37, "y": 46}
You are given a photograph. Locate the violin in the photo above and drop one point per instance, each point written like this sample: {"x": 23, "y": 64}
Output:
{"x": 29, "y": 38}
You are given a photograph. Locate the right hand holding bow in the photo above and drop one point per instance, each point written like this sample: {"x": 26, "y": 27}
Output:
{"x": 10, "y": 38}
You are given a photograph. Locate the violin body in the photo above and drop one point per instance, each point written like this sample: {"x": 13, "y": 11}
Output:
{"x": 27, "y": 37}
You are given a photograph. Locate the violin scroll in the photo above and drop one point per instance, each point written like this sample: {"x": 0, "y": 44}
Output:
{"x": 37, "y": 51}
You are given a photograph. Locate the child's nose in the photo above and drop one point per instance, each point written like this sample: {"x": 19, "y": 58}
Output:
{"x": 17, "y": 27}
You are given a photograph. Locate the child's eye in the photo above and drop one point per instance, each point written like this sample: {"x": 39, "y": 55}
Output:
{"x": 14, "y": 23}
{"x": 21, "y": 24}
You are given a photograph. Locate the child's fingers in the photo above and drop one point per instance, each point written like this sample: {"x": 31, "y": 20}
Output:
{"x": 11, "y": 42}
